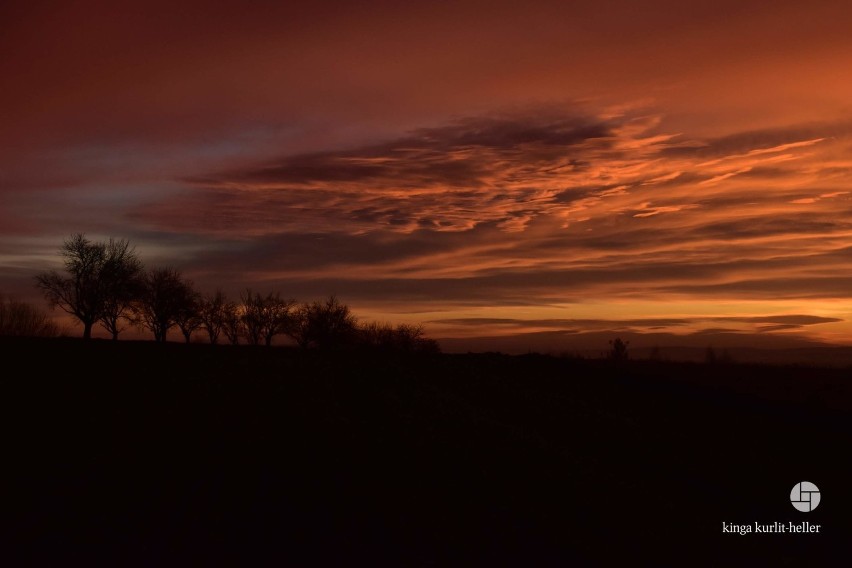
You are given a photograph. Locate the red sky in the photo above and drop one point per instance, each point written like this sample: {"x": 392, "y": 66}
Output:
{"x": 483, "y": 167}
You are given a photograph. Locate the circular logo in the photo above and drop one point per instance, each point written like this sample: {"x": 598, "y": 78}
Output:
{"x": 805, "y": 496}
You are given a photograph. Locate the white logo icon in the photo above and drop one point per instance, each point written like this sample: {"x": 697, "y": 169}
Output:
{"x": 805, "y": 496}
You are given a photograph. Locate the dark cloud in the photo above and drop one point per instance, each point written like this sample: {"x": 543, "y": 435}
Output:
{"x": 756, "y": 226}
{"x": 456, "y": 155}
{"x": 532, "y": 287}
{"x": 795, "y": 320}
{"x": 304, "y": 252}
{"x": 779, "y": 327}
{"x": 760, "y": 288}
{"x": 751, "y": 140}
{"x": 645, "y": 325}
{"x": 566, "y": 323}
{"x": 509, "y": 132}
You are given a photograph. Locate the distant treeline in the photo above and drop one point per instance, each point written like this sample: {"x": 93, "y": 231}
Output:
{"x": 105, "y": 283}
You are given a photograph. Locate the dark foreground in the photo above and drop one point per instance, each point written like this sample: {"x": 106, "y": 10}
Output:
{"x": 157, "y": 455}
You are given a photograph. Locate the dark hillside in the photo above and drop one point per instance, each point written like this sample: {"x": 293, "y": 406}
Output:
{"x": 142, "y": 454}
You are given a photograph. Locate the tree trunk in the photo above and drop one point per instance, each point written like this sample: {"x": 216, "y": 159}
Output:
{"x": 87, "y": 329}
{"x": 115, "y": 335}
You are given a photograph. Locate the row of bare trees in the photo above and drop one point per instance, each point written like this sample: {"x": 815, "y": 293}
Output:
{"x": 105, "y": 283}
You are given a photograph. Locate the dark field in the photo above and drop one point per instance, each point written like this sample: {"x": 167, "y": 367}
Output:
{"x": 133, "y": 454}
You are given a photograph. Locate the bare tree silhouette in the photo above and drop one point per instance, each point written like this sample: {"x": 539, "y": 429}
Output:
{"x": 99, "y": 276}
{"x": 123, "y": 284}
{"x": 264, "y": 317}
{"x": 164, "y": 298}
{"x": 213, "y": 313}
{"x": 232, "y": 323}
{"x": 189, "y": 314}
{"x": 278, "y": 316}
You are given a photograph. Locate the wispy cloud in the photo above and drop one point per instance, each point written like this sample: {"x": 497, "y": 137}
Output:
{"x": 538, "y": 207}
{"x": 511, "y": 170}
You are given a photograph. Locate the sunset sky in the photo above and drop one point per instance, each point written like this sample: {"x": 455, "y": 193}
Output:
{"x": 486, "y": 168}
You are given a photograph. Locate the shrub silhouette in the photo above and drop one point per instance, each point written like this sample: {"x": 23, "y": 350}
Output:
{"x": 618, "y": 350}
{"x": 403, "y": 337}
{"x": 325, "y": 325}
{"x": 655, "y": 354}
{"x": 24, "y": 320}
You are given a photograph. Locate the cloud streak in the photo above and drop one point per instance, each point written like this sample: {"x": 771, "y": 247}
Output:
{"x": 510, "y": 170}
{"x": 545, "y": 204}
